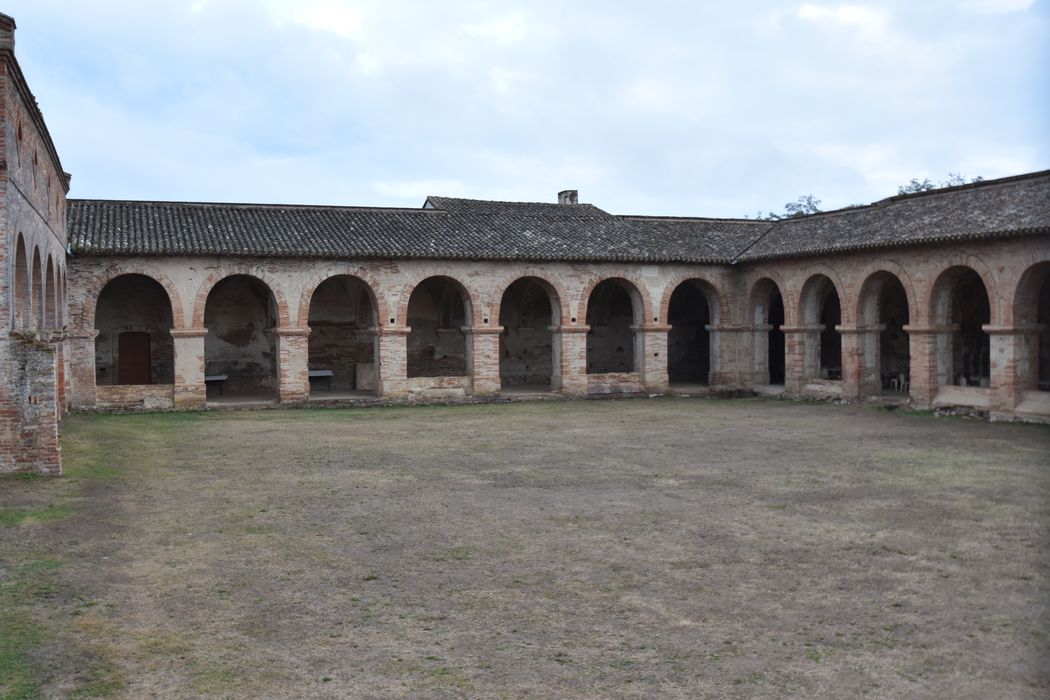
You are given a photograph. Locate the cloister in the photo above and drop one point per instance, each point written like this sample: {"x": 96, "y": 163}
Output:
{"x": 966, "y": 328}
{"x": 937, "y": 299}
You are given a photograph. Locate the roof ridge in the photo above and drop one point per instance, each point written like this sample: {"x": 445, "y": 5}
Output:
{"x": 252, "y": 205}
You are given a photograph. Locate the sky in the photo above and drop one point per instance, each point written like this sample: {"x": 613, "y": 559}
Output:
{"x": 665, "y": 108}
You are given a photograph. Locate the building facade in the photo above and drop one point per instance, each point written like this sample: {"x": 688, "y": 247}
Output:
{"x": 938, "y": 299}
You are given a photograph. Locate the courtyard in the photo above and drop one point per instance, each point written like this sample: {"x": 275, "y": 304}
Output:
{"x": 671, "y": 547}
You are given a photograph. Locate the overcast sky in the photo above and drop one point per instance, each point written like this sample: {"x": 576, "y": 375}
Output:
{"x": 690, "y": 108}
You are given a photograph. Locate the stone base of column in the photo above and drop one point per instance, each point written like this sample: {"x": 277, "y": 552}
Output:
{"x": 189, "y": 397}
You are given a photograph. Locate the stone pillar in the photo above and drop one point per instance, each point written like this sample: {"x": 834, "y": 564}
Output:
{"x": 759, "y": 374}
{"x": 392, "y": 361}
{"x": 855, "y": 380}
{"x": 293, "y": 358}
{"x": 572, "y": 341}
{"x": 730, "y": 355}
{"x": 82, "y": 362}
{"x": 1014, "y": 365}
{"x": 483, "y": 358}
{"x": 801, "y": 356}
{"x": 930, "y": 349}
{"x": 651, "y": 349}
{"x": 189, "y": 392}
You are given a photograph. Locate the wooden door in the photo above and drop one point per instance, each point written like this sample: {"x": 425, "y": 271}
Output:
{"x": 134, "y": 359}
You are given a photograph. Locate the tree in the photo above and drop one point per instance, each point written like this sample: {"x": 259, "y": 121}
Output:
{"x": 804, "y": 205}
{"x": 926, "y": 184}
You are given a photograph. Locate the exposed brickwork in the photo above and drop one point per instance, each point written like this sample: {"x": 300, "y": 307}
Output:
{"x": 32, "y": 265}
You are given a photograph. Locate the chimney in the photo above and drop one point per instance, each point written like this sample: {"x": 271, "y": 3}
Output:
{"x": 568, "y": 197}
{"x": 7, "y": 32}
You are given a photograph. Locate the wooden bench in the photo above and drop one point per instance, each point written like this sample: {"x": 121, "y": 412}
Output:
{"x": 219, "y": 379}
{"x": 326, "y": 373}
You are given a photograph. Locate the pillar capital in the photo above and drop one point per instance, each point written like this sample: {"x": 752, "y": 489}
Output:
{"x": 188, "y": 332}
{"x": 569, "y": 329}
{"x": 929, "y": 330}
{"x": 1021, "y": 329}
{"x": 291, "y": 331}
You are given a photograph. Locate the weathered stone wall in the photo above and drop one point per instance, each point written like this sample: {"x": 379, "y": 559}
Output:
{"x": 738, "y": 341}
{"x": 28, "y": 406}
{"x": 32, "y": 295}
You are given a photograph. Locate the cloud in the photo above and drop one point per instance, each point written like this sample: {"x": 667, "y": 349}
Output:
{"x": 867, "y": 20}
{"x": 996, "y": 7}
{"x": 332, "y": 16}
{"x": 506, "y": 30}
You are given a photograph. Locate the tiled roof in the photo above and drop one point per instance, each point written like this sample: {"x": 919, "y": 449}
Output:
{"x": 450, "y": 228}
{"x": 1006, "y": 207}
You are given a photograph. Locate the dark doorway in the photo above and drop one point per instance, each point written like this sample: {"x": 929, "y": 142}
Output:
{"x": 830, "y": 338}
{"x": 970, "y": 312}
{"x": 611, "y": 315}
{"x": 688, "y": 342}
{"x": 133, "y": 358}
{"x": 777, "y": 372}
{"x": 526, "y": 344}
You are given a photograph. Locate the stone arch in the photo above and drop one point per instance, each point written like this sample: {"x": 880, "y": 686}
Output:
{"x": 767, "y": 316}
{"x": 884, "y": 308}
{"x": 935, "y": 306}
{"x": 869, "y": 275}
{"x": 50, "y": 294}
{"x": 21, "y": 296}
{"x": 716, "y": 298}
{"x": 613, "y": 341}
{"x": 436, "y": 309}
{"x": 242, "y": 315}
{"x": 132, "y": 316}
{"x": 342, "y": 313}
{"x": 529, "y": 355}
{"x": 559, "y": 298}
{"x": 644, "y": 308}
{"x": 470, "y": 297}
{"x": 820, "y": 307}
{"x": 370, "y": 283}
{"x": 201, "y": 298}
{"x": 961, "y": 304}
{"x": 691, "y": 308}
{"x": 87, "y": 313}
{"x": 38, "y": 290}
{"x": 1030, "y": 315}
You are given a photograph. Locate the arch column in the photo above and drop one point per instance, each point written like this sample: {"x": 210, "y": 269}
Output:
{"x": 860, "y": 347}
{"x": 1012, "y": 373}
{"x": 392, "y": 361}
{"x": 759, "y": 374}
{"x": 801, "y": 355}
{"x": 571, "y": 344}
{"x": 189, "y": 391}
{"x": 293, "y": 359}
{"x": 650, "y": 345}
{"x": 930, "y": 348}
{"x": 82, "y": 361}
{"x": 483, "y": 358}
{"x": 730, "y": 355}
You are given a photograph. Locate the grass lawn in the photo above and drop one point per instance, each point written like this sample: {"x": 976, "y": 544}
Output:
{"x": 653, "y": 548}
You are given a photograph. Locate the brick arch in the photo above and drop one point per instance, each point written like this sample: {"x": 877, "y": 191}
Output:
{"x": 471, "y": 310}
{"x": 37, "y": 287}
{"x": 21, "y": 295}
{"x": 50, "y": 294}
{"x": 800, "y": 298}
{"x": 370, "y": 282}
{"x": 1021, "y": 287}
{"x": 936, "y": 294}
{"x": 111, "y": 273}
{"x": 554, "y": 289}
{"x": 766, "y": 278}
{"x": 214, "y": 278}
{"x": 719, "y": 310}
{"x": 867, "y": 279}
{"x": 635, "y": 284}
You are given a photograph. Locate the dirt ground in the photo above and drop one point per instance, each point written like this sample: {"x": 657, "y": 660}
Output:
{"x": 653, "y": 548}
